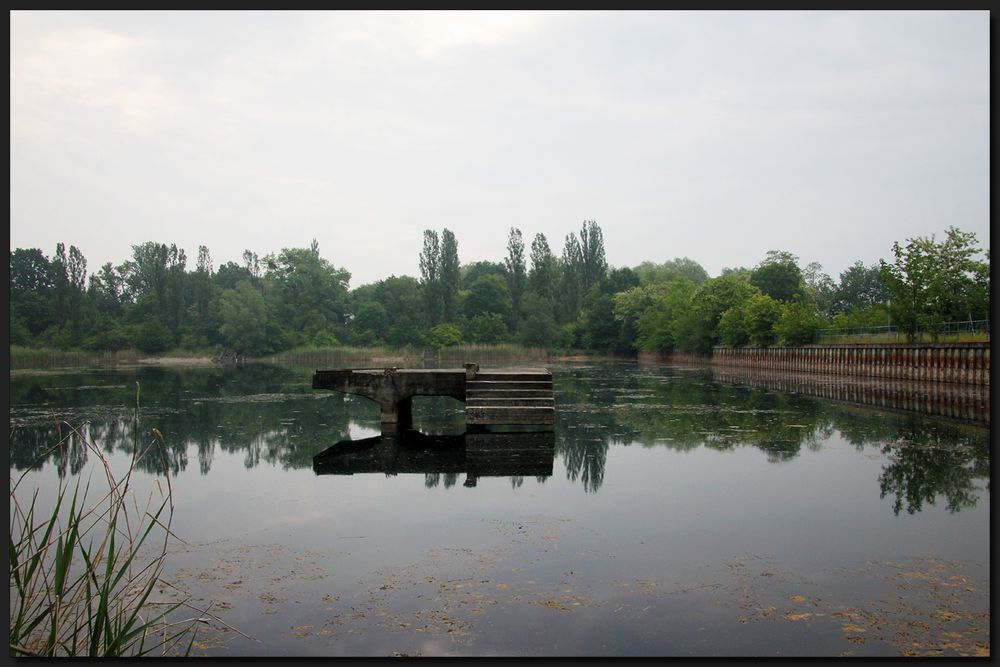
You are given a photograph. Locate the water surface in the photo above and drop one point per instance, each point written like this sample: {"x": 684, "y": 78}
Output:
{"x": 668, "y": 512}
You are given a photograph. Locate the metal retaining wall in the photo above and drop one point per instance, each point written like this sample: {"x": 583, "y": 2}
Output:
{"x": 964, "y": 363}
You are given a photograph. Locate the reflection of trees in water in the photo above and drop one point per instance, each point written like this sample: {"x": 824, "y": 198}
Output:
{"x": 433, "y": 479}
{"x": 584, "y": 458}
{"x": 269, "y": 413}
{"x": 926, "y": 463}
{"x": 272, "y": 416}
{"x": 927, "y": 457}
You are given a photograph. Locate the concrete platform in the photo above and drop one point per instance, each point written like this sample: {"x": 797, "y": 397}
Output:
{"x": 502, "y": 397}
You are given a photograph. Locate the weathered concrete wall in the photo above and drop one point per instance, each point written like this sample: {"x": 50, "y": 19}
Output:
{"x": 962, "y": 363}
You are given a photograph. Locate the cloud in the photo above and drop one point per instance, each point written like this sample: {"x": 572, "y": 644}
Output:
{"x": 86, "y": 69}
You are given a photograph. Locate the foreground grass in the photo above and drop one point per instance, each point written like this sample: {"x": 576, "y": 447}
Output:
{"x": 81, "y": 576}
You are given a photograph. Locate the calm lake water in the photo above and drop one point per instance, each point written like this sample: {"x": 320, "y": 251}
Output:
{"x": 667, "y": 513}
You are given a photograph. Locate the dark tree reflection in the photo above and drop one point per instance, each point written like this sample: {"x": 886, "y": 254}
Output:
{"x": 921, "y": 470}
{"x": 269, "y": 415}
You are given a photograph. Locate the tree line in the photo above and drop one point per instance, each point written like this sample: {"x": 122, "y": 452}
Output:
{"x": 574, "y": 300}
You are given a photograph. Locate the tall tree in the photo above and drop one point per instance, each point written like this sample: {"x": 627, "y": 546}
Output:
{"x": 252, "y": 263}
{"x": 595, "y": 265}
{"x": 60, "y": 283}
{"x": 571, "y": 285}
{"x": 514, "y": 263}
{"x": 202, "y": 281}
{"x": 820, "y": 288}
{"x": 76, "y": 270}
{"x": 542, "y": 277}
{"x": 449, "y": 272}
{"x": 430, "y": 275}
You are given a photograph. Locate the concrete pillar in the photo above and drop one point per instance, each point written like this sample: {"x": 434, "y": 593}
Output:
{"x": 397, "y": 414}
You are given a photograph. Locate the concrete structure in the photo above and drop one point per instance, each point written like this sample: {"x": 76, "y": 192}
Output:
{"x": 511, "y": 396}
{"x": 524, "y": 454}
{"x": 956, "y": 363}
{"x": 961, "y": 363}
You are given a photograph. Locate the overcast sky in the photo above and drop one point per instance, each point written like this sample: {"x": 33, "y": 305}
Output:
{"x": 712, "y": 135}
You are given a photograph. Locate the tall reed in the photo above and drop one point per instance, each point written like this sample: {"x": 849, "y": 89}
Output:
{"x": 29, "y": 357}
{"x": 482, "y": 353}
{"x": 82, "y": 574}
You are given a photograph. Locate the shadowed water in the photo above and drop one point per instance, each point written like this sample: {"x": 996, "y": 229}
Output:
{"x": 667, "y": 512}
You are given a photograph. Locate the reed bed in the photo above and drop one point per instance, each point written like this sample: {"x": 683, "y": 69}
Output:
{"x": 44, "y": 358}
{"x": 340, "y": 357}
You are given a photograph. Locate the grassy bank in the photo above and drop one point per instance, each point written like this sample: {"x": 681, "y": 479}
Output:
{"x": 897, "y": 337}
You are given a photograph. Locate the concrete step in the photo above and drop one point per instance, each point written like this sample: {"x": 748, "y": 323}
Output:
{"x": 507, "y": 384}
{"x": 512, "y": 376}
{"x": 512, "y": 401}
{"x": 516, "y": 415}
{"x": 508, "y": 393}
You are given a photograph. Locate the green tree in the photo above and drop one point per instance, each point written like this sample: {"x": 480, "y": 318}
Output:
{"x": 308, "y": 295}
{"x": 444, "y": 335}
{"x": 820, "y": 288}
{"x": 595, "y": 266}
{"x": 449, "y": 275}
{"x": 798, "y": 324}
{"x": 371, "y": 321}
{"x": 543, "y": 274}
{"x": 933, "y": 282}
{"x": 734, "y": 326}
{"x": 152, "y": 336}
{"x": 751, "y": 322}
{"x": 571, "y": 288}
{"x": 658, "y": 324}
{"x": 763, "y": 313}
{"x": 472, "y": 271}
{"x": 231, "y": 273}
{"x": 697, "y": 330}
{"x": 60, "y": 284}
{"x": 538, "y": 327}
{"x": 679, "y": 267}
{"x": 244, "y": 320}
{"x": 31, "y": 291}
{"x": 867, "y": 317}
{"x": 779, "y": 277}
{"x": 597, "y": 326}
{"x": 154, "y": 279}
{"x": 860, "y": 286}
{"x": 485, "y": 328}
{"x": 516, "y": 275}
{"x": 489, "y": 294}
{"x": 430, "y": 275}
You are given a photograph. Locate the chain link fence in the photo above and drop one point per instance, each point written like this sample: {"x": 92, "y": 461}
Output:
{"x": 942, "y": 332}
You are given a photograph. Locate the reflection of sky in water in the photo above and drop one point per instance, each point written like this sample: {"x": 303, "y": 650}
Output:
{"x": 662, "y": 482}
